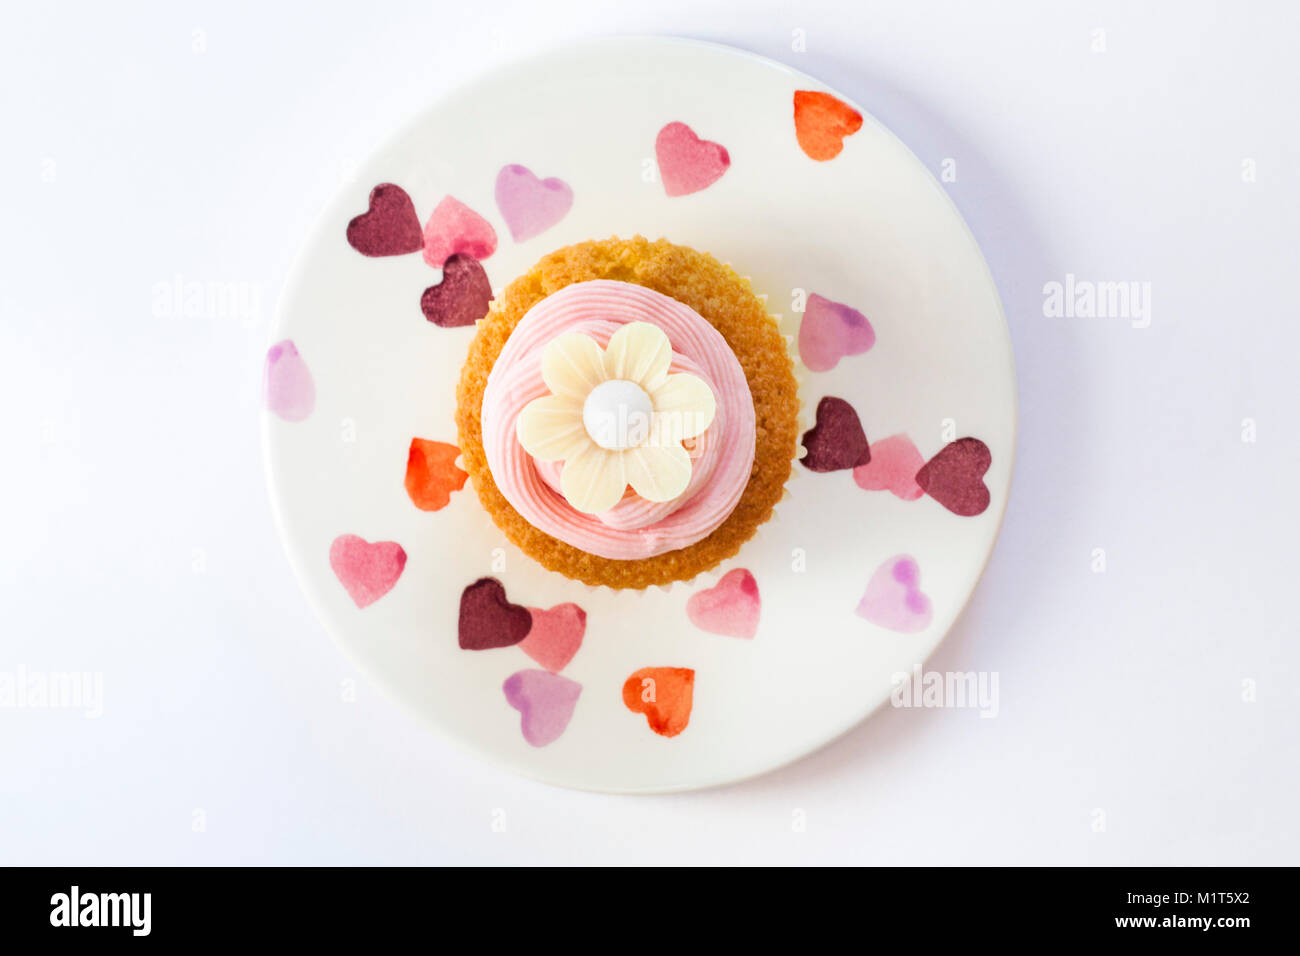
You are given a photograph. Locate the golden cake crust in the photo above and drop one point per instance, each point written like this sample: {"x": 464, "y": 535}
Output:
{"x": 723, "y": 298}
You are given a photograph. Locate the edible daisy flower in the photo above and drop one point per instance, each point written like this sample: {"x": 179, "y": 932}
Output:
{"x": 615, "y": 417}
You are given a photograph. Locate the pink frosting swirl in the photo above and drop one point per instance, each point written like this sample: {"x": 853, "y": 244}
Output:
{"x": 722, "y": 457}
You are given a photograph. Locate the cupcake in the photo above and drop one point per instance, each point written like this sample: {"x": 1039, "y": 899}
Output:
{"x": 628, "y": 412}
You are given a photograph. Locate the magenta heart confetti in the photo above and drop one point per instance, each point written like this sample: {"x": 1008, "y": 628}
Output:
{"x": 461, "y": 298}
{"x": 837, "y": 441}
{"x": 390, "y": 227}
{"x": 955, "y": 476}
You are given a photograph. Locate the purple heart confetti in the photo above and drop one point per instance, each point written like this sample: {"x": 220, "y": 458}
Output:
{"x": 545, "y": 702}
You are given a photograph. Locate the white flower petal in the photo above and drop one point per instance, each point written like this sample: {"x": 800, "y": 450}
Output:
{"x": 551, "y": 429}
{"x": 685, "y": 406}
{"x": 639, "y": 352}
{"x": 658, "y": 472}
{"x": 572, "y": 365}
{"x": 593, "y": 480}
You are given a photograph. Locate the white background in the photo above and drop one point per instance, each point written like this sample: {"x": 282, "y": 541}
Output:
{"x": 200, "y": 141}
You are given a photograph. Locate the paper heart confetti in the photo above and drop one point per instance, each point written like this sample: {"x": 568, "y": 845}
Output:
{"x": 432, "y": 474}
{"x": 687, "y": 163}
{"x": 664, "y": 695}
{"x": 366, "y": 571}
{"x": 488, "y": 620}
{"x": 893, "y": 598}
{"x": 955, "y": 476}
{"x": 545, "y": 702}
{"x": 893, "y": 467}
{"x": 830, "y": 331}
{"x": 287, "y": 386}
{"x": 821, "y": 122}
{"x": 453, "y": 228}
{"x": 530, "y": 205}
{"x": 461, "y": 298}
{"x": 730, "y": 607}
{"x": 837, "y": 441}
{"x": 555, "y": 636}
{"x": 390, "y": 227}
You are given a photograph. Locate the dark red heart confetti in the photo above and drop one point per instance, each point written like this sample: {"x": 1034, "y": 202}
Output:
{"x": 461, "y": 298}
{"x": 837, "y": 441}
{"x": 954, "y": 477}
{"x": 488, "y": 620}
{"x": 390, "y": 227}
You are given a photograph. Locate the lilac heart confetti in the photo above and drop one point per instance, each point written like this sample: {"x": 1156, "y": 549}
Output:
{"x": 530, "y": 205}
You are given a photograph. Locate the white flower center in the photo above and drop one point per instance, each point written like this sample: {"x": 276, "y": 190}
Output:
{"x": 617, "y": 415}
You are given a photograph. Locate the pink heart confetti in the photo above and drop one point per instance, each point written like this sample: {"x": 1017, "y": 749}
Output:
{"x": 545, "y": 702}
{"x": 893, "y": 598}
{"x": 687, "y": 163}
{"x": 287, "y": 386}
{"x": 831, "y": 331}
{"x": 730, "y": 607}
{"x": 367, "y": 571}
{"x": 453, "y": 228}
{"x": 555, "y": 636}
{"x": 893, "y": 467}
{"x": 530, "y": 205}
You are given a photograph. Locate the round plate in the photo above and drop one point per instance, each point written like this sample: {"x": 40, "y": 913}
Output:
{"x": 881, "y": 290}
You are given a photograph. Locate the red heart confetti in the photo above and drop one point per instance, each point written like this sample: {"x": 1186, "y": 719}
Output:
{"x": 664, "y": 694}
{"x": 821, "y": 122}
{"x": 432, "y": 474}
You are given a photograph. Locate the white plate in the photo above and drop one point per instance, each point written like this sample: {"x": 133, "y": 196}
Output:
{"x": 870, "y": 229}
